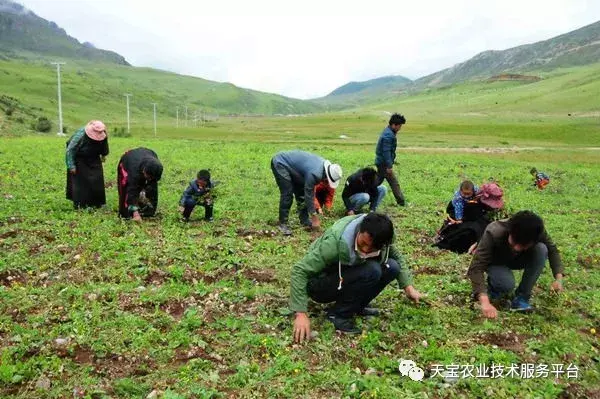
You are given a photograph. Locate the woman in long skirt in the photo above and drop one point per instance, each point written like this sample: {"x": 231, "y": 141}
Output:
{"x": 86, "y": 151}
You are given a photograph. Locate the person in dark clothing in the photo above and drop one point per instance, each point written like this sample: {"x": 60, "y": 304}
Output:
{"x": 459, "y": 234}
{"x": 138, "y": 174}
{"x": 86, "y": 151}
{"x": 297, "y": 173}
{"x": 198, "y": 192}
{"x": 385, "y": 156}
{"x": 520, "y": 242}
{"x": 362, "y": 188}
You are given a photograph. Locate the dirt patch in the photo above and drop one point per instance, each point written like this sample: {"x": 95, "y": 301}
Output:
{"x": 157, "y": 277}
{"x": 508, "y": 341}
{"x": 11, "y": 220}
{"x": 191, "y": 276}
{"x": 174, "y": 308}
{"x": 35, "y": 249}
{"x": 250, "y": 234}
{"x": 260, "y": 276}
{"x": 112, "y": 366}
{"x": 110, "y": 184}
{"x": 183, "y": 356}
{"x": 429, "y": 270}
{"x": 8, "y": 278}
{"x": 514, "y": 77}
{"x": 10, "y": 234}
{"x": 576, "y": 391}
{"x": 83, "y": 355}
{"x": 589, "y": 261}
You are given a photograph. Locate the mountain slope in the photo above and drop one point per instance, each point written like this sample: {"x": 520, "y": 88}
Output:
{"x": 94, "y": 80}
{"x": 371, "y": 85}
{"x": 579, "y": 47}
{"x": 23, "y": 31}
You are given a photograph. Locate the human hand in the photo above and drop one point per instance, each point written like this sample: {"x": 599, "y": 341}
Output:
{"x": 301, "y": 327}
{"x": 557, "y": 285}
{"x": 472, "y": 249}
{"x": 413, "y": 294}
{"x": 73, "y": 171}
{"x": 487, "y": 309}
{"x": 137, "y": 217}
{"x": 315, "y": 221}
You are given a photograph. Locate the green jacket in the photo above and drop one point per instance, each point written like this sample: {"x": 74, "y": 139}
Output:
{"x": 335, "y": 246}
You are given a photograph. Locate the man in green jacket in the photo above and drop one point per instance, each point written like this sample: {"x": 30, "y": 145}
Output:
{"x": 350, "y": 264}
{"x": 520, "y": 242}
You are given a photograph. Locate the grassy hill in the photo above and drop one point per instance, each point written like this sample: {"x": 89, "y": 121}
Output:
{"x": 579, "y": 47}
{"x": 94, "y": 81}
{"x": 24, "y": 34}
{"x": 358, "y": 92}
{"x": 93, "y": 90}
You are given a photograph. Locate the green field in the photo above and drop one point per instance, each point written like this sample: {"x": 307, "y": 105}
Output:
{"x": 200, "y": 310}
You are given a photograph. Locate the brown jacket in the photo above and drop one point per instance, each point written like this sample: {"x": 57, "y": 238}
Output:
{"x": 493, "y": 249}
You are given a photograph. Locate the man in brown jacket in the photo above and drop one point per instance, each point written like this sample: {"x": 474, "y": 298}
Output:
{"x": 518, "y": 243}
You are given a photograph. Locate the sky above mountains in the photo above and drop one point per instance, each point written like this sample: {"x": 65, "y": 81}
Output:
{"x": 306, "y": 49}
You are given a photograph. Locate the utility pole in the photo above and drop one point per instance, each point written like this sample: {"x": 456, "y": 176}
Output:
{"x": 177, "y": 113}
{"x": 154, "y": 119}
{"x": 60, "y": 118}
{"x": 128, "y": 126}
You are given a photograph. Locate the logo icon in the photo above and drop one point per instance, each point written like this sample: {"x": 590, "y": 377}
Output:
{"x": 409, "y": 368}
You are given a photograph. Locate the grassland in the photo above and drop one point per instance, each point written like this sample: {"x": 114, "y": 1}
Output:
{"x": 200, "y": 310}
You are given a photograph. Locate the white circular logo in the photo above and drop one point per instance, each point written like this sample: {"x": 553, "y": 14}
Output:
{"x": 405, "y": 366}
{"x": 416, "y": 374}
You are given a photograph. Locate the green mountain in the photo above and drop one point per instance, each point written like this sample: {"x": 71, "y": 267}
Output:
{"x": 355, "y": 94}
{"x": 94, "y": 81}
{"x": 23, "y": 33}
{"x": 372, "y": 85}
{"x": 579, "y": 47}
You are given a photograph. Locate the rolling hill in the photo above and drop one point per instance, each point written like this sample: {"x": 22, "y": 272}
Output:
{"x": 24, "y": 34}
{"x": 579, "y": 47}
{"x": 94, "y": 81}
{"x": 576, "y": 48}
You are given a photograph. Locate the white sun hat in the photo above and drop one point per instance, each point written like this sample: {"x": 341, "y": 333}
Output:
{"x": 333, "y": 171}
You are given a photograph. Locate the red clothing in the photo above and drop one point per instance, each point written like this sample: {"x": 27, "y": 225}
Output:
{"x": 323, "y": 196}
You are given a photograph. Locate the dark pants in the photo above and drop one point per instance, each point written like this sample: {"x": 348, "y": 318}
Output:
{"x": 360, "y": 286}
{"x": 383, "y": 174}
{"x": 502, "y": 281}
{"x": 288, "y": 190}
{"x": 189, "y": 206}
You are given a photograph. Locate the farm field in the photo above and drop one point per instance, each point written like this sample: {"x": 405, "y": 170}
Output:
{"x": 92, "y": 306}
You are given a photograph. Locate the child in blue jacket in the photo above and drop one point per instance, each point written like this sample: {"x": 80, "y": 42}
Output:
{"x": 198, "y": 193}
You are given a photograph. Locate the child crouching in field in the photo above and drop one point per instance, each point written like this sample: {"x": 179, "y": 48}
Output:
{"x": 541, "y": 179}
{"x": 198, "y": 193}
{"x": 466, "y": 193}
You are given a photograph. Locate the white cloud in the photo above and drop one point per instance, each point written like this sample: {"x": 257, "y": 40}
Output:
{"x": 307, "y": 48}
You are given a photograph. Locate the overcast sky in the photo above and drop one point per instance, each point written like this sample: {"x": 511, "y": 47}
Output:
{"x": 307, "y": 48}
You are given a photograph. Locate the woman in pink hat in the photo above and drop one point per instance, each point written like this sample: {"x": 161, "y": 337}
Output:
{"x": 85, "y": 153}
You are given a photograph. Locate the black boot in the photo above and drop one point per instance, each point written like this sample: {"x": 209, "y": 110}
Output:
{"x": 344, "y": 325}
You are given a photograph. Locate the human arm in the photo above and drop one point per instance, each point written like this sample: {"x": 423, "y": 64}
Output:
{"x": 72, "y": 148}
